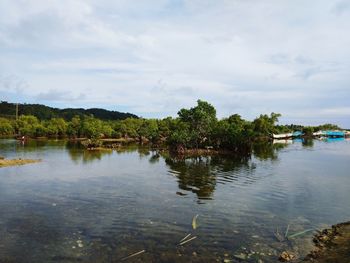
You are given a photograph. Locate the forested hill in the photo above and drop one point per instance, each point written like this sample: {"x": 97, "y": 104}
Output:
{"x": 43, "y": 112}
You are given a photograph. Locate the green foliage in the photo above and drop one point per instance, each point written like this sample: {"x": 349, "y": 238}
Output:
{"x": 138, "y": 128}
{"x": 74, "y": 127}
{"x": 92, "y": 128}
{"x": 129, "y": 127}
{"x": 308, "y": 130}
{"x": 265, "y": 125}
{"x": 180, "y": 135}
{"x": 233, "y": 132}
{"x": 41, "y": 130}
{"x": 56, "y": 127}
{"x": 326, "y": 127}
{"x": 6, "y": 127}
{"x": 27, "y": 125}
{"x": 106, "y": 130}
{"x": 164, "y": 127}
{"x": 285, "y": 129}
{"x": 148, "y": 129}
{"x": 198, "y": 124}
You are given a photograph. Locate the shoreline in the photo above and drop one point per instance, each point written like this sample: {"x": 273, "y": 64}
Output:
{"x": 331, "y": 245}
{"x": 15, "y": 162}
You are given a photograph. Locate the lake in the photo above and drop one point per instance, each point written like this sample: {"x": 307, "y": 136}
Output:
{"x": 85, "y": 206}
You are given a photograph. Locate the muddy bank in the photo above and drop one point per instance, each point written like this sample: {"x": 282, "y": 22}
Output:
{"x": 332, "y": 245}
{"x": 13, "y": 162}
{"x": 108, "y": 144}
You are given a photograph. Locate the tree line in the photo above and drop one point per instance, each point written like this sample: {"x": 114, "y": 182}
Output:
{"x": 43, "y": 112}
{"x": 194, "y": 128}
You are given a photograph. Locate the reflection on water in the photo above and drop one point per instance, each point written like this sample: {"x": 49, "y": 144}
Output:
{"x": 100, "y": 206}
{"x": 328, "y": 139}
{"x": 266, "y": 151}
{"x": 200, "y": 174}
{"x": 78, "y": 154}
{"x": 194, "y": 175}
{"x": 308, "y": 142}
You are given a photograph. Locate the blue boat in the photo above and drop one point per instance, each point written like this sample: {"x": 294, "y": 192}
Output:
{"x": 335, "y": 133}
{"x": 297, "y": 134}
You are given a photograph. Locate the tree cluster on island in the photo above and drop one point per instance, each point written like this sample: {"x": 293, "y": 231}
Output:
{"x": 194, "y": 128}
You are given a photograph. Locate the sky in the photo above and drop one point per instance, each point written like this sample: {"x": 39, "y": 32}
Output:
{"x": 152, "y": 58}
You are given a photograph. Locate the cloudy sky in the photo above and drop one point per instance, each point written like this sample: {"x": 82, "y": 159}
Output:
{"x": 155, "y": 57}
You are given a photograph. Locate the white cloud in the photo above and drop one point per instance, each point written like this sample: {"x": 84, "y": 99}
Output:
{"x": 154, "y": 57}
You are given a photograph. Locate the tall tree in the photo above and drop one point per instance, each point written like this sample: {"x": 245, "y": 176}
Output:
{"x": 201, "y": 120}
{"x": 264, "y": 125}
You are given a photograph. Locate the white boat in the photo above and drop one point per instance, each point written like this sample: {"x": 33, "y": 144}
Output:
{"x": 282, "y": 136}
{"x": 319, "y": 133}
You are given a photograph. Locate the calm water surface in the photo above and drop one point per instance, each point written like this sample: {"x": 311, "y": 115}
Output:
{"x": 81, "y": 206}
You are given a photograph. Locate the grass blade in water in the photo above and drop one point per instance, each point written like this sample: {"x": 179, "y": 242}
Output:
{"x": 185, "y": 237}
{"x": 194, "y": 222}
{"x": 133, "y": 255}
{"x": 188, "y": 240}
{"x": 301, "y": 233}
{"x": 287, "y": 230}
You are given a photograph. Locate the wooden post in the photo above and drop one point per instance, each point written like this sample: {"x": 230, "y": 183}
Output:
{"x": 16, "y": 111}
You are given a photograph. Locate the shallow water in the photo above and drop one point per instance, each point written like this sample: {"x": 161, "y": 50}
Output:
{"x": 83, "y": 206}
